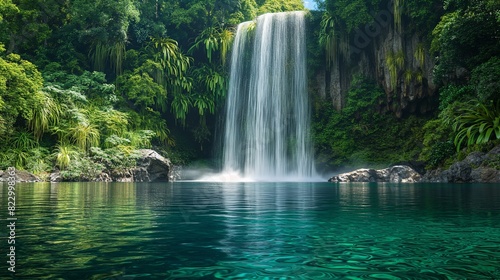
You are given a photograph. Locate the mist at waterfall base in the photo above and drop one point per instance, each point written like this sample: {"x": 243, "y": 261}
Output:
{"x": 267, "y": 122}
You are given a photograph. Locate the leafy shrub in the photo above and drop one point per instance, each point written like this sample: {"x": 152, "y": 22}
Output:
{"x": 439, "y": 152}
{"x": 437, "y": 135}
{"x": 453, "y": 93}
{"x": 486, "y": 79}
{"x": 478, "y": 124}
{"x": 82, "y": 169}
{"x": 114, "y": 159}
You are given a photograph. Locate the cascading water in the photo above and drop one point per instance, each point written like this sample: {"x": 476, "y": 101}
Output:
{"x": 267, "y": 120}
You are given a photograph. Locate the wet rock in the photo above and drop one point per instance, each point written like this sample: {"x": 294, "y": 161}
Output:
{"x": 477, "y": 167}
{"x": 55, "y": 177}
{"x": 396, "y": 174}
{"x": 20, "y": 175}
{"x": 152, "y": 167}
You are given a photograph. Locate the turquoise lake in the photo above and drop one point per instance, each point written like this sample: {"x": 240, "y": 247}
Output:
{"x": 192, "y": 230}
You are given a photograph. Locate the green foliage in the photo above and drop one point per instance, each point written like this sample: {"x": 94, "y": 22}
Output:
{"x": 24, "y": 24}
{"x": 46, "y": 113}
{"x": 486, "y": 80}
{"x": 23, "y": 140}
{"x": 64, "y": 155}
{"x": 142, "y": 90}
{"x": 423, "y": 16}
{"x": 109, "y": 121}
{"x": 395, "y": 62}
{"x": 77, "y": 90}
{"x": 116, "y": 159}
{"x": 20, "y": 82}
{"x": 361, "y": 135}
{"x": 352, "y": 14}
{"x": 82, "y": 169}
{"x": 210, "y": 86}
{"x": 328, "y": 38}
{"x": 214, "y": 39}
{"x": 437, "y": 136}
{"x": 6, "y": 8}
{"x": 140, "y": 139}
{"x": 180, "y": 106}
{"x": 276, "y": 6}
{"x": 84, "y": 134}
{"x": 20, "y": 147}
{"x": 439, "y": 152}
{"x": 478, "y": 124}
{"x": 105, "y": 38}
{"x": 38, "y": 161}
{"x": 453, "y": 93}
{"x": 460, "y": 43}
{"x": 103, "y": 54}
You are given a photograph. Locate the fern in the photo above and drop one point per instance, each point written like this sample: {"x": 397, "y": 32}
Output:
{"x": 477, "y": 125}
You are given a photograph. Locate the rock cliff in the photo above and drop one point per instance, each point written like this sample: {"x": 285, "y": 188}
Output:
{"x": 398, "y": 62}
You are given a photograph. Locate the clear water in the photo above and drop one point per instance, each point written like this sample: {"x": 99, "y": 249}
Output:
{"x": 188, "y": 230}
{"x": 267, "y": 116}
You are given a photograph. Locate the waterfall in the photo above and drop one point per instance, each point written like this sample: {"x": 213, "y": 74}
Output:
{"x": 267, "y": 117}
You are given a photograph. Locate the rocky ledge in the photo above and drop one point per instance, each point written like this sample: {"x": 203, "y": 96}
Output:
{"x": 477, "y": 167}
{"x": 150, "y": 167}
{"x": 21, "y": 176}
{"x": 396, "y": 174}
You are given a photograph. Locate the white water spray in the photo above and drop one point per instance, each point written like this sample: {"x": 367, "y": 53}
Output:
{"x": 267, "y": 121}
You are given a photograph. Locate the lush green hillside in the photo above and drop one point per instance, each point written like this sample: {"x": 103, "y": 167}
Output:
{"x": 83, "y": 84}
{"x": 412, "y": 80}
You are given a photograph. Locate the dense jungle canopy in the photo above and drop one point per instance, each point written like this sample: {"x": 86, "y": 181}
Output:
{"x": 83, "y": 84}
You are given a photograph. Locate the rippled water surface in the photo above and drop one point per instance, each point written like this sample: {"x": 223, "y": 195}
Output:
{"x": 188, "y": 230}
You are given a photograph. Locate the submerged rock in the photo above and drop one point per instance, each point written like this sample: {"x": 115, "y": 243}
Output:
{"x": 396, "y": 174}
{"x": 477, "y": 167}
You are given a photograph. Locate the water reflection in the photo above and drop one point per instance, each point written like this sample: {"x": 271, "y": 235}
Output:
{"x": 245, "y": 230}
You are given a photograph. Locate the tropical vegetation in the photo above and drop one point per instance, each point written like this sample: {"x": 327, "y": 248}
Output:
{"x": 84, "y": 84}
